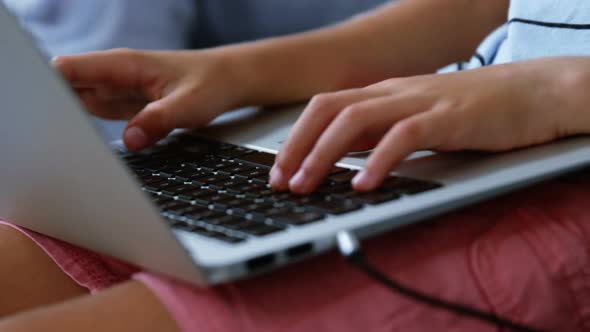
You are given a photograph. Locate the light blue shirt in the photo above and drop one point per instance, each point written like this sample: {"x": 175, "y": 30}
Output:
{"x": 536, "y": 29}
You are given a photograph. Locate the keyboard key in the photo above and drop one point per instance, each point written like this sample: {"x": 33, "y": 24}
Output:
{"x": 258, "y": 207}
{"x": 196, "y": 146}
{"x": 284, "y": 195}
{"x": 262, "y": 159}
{"x": 407, "y": 186}
{"x": 263, "y": 179}
{"x": 150, "y": 164}
{"x": 151, "y": 180}
{"x": 234, "y": 152}
{"x": 197, "y": 150}
{"x": 217, "y": 198}
{"x": 214, "y": 178}
{"x": 231, "y": 183}
{"x": 184, "y": 188}
{"x": 166, "y": 184}
{"x": 259, "y": 229}
{"x": 266, "y": 192}
{"x": 168, "y": 187}
{"x": 228, "y": 221}
{"x": 174, "y": 205}
{"x": 337, "y": 170}
{"x": 193, "y": 210}
{"x": 375, "y": 197}
{"x": 254, "y": 172}
{"x": 191, "y": 193}
{"x": 160, "y": 200}
{"x": 237, "y": 206}
{"x": 135, "y": 158}
{"x": 226, "y": 146}
{"x": 201, "y": 196}
{"x": 204, "y": 215}
{"x": 239, "y": 168}
{"x": 153, "y": 187}
{"x": 175, "y": 222}
{"x": 335, "y": 188}
{"x": 176, "y": 171}
{"x": 140, "y": 172}
{"x": 352, "y": 194}
{"x": 276, "y": 211}
{"x": 205, "y": 231}
{"x": 344, "y": 177}
{"x": 337, "y": 206}
{"x": 226, "y": 205}
{"x": 198, "y": 178}
{"x": 251, "y": 190}
{"x": 243, "y": 224}
{"x": 210, "y": 165}
{"x": 305, "y": 200}
{"x": 299, "y": 218}
{"x": 192, "y": 173}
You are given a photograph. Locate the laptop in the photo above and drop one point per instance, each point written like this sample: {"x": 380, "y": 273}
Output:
{"x": 197, "y": 206}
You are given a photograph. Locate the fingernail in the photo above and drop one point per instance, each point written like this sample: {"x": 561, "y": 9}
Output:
{"x": 363, "y": 181}
{"x": 300, "y": 182}
{"x": 277, "y": 178}
{"x": 135, "y": 138}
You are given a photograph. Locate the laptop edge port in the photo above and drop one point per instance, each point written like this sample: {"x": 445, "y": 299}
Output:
{"x": 259, "y": 263}
{"x": 300, "y": 250}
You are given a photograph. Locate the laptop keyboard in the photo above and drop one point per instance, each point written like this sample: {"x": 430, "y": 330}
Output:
{"x": 221, "y": 191}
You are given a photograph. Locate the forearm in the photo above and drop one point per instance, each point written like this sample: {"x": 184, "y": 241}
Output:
{"x": 409, "y": 37}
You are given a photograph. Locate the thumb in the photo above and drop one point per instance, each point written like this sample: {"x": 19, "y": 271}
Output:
{"x": 159, "y": 118}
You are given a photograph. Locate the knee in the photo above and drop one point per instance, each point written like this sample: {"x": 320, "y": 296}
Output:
{"x": 28, "y": 276}
{"x": 13, "y": 241}
{"x": 17, "y": 252}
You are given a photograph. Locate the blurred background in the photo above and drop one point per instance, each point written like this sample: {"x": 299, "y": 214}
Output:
{"x": 74, "y": 26}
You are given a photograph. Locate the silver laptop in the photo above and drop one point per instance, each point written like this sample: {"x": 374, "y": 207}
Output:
{"x": 197, "y": 206}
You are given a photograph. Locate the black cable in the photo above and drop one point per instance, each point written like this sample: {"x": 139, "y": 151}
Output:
{"x": 350, "y": 248}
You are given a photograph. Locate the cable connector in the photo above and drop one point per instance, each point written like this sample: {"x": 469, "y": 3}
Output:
{"x": 347, "y": 243}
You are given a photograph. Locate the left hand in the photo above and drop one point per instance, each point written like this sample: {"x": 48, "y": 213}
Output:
{"x": 494, "y": 108}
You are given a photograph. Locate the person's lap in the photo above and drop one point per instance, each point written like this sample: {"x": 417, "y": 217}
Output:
{"x": 524, "y": 256}
{"x": 22, "y": 260}
{"x": 38, "y": 296}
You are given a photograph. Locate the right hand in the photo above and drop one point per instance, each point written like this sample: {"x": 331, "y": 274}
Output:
{"x": 157, "y": 91}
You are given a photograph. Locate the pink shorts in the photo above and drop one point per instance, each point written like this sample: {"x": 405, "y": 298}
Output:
{"x": 525, "y": 256}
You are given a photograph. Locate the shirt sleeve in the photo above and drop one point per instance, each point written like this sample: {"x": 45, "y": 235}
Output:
{"x": 74, "y": 26}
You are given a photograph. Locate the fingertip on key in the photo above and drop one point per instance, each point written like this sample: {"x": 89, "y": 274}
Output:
{"x": 135, "y": 138}
{"x": 301, "y": 183}
{"x": 364, "y": 181}
{"x": 277, "y": 179}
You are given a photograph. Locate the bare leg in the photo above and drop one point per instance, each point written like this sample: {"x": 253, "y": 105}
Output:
{"x": 37, "y": 296}
{"x": 128, "y": 307}
{"x": 28, "y": 277}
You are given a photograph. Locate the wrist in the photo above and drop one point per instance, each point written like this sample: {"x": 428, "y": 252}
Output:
{"x": 294, "y": 68}
{"x": 571, "y": 89}
{"x": 254, "y": 67}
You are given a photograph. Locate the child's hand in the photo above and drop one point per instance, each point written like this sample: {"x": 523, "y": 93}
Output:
{"x": 156, "y": 91}
{"x": 491, "y": 109}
